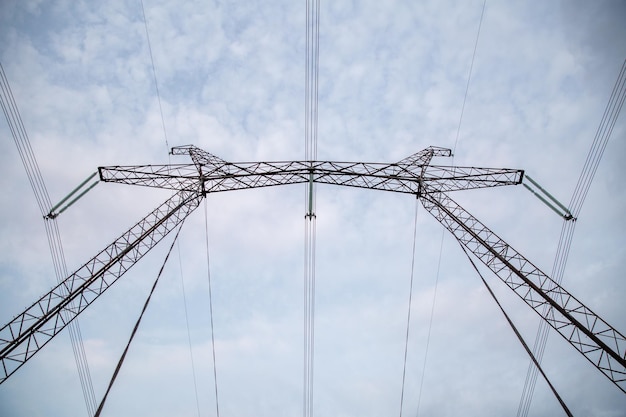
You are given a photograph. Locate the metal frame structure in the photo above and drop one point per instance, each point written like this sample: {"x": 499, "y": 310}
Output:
{"x": 27, "y": 333}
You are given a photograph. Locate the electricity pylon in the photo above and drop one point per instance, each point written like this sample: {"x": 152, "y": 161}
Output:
{"x": 588, "y": 333}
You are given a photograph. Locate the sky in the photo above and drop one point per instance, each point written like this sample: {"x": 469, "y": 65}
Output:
{"x": 392, "y": 81}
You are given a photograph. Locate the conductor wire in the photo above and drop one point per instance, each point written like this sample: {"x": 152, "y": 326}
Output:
{"x": 603, "y": 133}
{"x": 134, "y": 332}
{"x": 156, "y": 84}
{"x": 27, "y": 155}
{"x": 517, "y": 333}
{"x": 310, "y": 144}
{"x": 208, "y": 265}
{"x": 458, "y": 131}
{"x": 408, "y": 319}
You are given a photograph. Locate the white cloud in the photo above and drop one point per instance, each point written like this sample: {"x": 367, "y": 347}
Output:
{"x": 392, "y": 80}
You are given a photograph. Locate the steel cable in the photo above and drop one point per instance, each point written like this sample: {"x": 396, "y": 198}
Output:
{"x": 601, "y": 138}
{"x": 193, "y": 367}
{"x": 208, "y": 265}
{"x": 458, "y": 131}
{"x": 469, "y": 77}
{"x": 134, "y": 331}
{"x": 311, "y": 98}
{"x": 163, "y": 126}
{"x": 156, "y": 84}
{"x": 27, "y": 155}
{"x": 408, "y": 319}
{"x": 518, "y": 334}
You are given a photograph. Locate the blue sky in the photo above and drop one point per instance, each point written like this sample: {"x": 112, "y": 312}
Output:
{"x": 392, "y": 82}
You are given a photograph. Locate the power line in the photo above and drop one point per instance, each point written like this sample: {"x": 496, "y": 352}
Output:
{"x": 408, "y": 319}
{"x": 517, "y": 333}
{"x": 158, "y": 94}
{"x": 603, "y": 133}
{"x": 458, "y": 131}
{"x": 469, "y": 78}
{"x": 310, "y": 143}
{"x": 27, "y": 155}
{"x": 134, "y": 331}
{"x": 601, "y": 138}
{"x": 156, "y": 84}
{"x": 208, "y": 266}
{"x": 430, "y": 325}
{"x": 193, "y": 367}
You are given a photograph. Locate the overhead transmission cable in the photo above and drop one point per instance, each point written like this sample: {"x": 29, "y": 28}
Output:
{"x": 430, "y": 327}
{"x": 518, "y": 334}
{"x": 167, "y": 147}
{"x": 310, "y": 145}
{"x": 156, "y": 84}
{"x": 408, "y": 319}
{"x": 458, "y": 131}
{"x": 134, "y": 331}
{"x": 469, "y": 79}
{"x": 193, "y": 367}
{"x": 208, "y": 267}
{"x": 601, "y": 138}
{"x": 20, "y": 137}
{"x": 609, "y": 118}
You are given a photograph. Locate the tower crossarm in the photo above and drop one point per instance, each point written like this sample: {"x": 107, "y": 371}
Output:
{"x": 211, "y": 174}
{"x": 600, "y": 343}
{"x": 28, "y": 332}
{"x": 172, "y": 177}
{"x": 453, "y": 178}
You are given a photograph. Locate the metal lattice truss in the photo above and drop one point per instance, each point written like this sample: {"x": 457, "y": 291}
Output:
{"x": 601, "y": 344}
{"x": 23, "y": 336}
{"x": 209, "y": 174}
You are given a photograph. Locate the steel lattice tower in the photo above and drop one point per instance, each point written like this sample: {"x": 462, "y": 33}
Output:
{"x": 28, "y": 332}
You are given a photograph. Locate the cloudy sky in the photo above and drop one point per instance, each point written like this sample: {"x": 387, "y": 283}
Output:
{"x": 392, "y": 81}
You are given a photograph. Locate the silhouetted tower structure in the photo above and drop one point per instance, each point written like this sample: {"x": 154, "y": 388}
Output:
{"x": 588, "y": 333}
